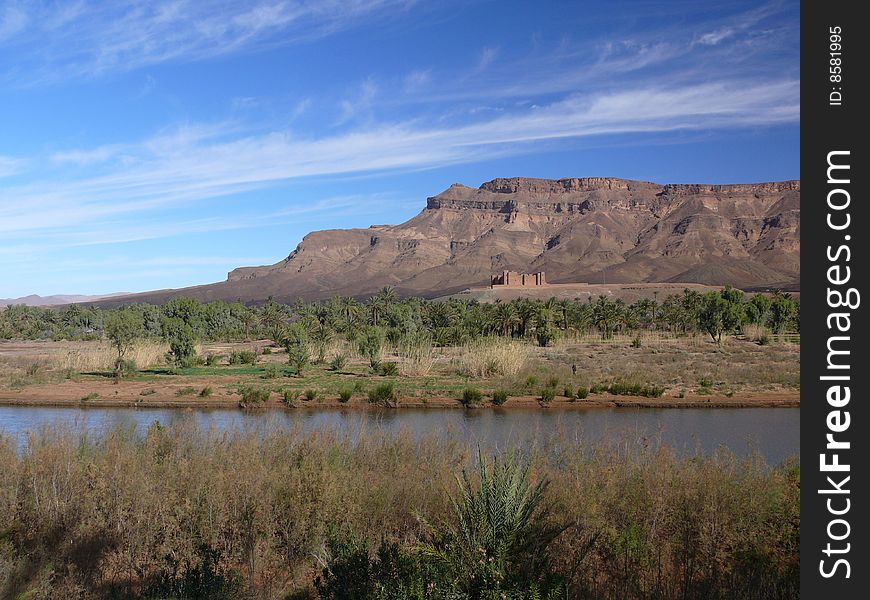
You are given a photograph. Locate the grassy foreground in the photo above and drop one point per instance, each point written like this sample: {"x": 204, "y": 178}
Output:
{"x": 186, "y": 513}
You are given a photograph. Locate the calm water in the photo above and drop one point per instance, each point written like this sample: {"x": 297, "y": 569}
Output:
{"x": 774, "y": 432}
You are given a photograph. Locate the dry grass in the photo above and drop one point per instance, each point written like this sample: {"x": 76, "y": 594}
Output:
{"x": 417, "y": 358}
{"x": 100, "y": 356}
{"x": 95, "y": 517}
{"x": 493, "y": 356}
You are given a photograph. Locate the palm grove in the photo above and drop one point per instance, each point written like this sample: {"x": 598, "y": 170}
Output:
{"x": 305, "y": 328}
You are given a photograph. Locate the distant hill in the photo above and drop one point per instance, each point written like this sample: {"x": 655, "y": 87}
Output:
{"x": 594, "y": 230}
{"x": 34, "y": 300}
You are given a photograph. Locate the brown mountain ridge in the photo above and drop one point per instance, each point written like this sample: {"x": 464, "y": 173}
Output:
{"x": 591, "y": 229}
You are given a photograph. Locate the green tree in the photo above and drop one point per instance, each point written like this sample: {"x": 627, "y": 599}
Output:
{"x": 181, "y": 338}
{"x": 123, "y": 328}
{"x": 721, "y": 313}
{"x": 783, "y": 311}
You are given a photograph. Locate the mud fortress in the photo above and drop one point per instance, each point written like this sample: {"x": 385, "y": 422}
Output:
{"x": 514, "y": 279}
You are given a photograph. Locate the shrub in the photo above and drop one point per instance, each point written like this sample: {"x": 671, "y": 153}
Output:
{"x": 582, "y": 393}
{"x": 272, "y": 371}
{"x": 389, "y": 369}
{"x": 471, "y": 396}
{"x": 568, "y": 392}
{"x": 289, "y": 397}
{"x": 599, "y": 388}
{"x": 243, "y": 357}
{"x": 344, "y": 395}
{"x": 622, "y": 388}
{"x": 499, "y": 397}
{"x": 252, "y": 395}
{"x": 548, "y": 394}
{"x": 497, "y": 538}
{"x": 553, "y": 381}
{"x": 185, "y": 391}
{"x": 384, "y": 393}
{"x": 636, "y": 342}
{"x": 267, "y": 350}
{"x": 311, "y": 395}
{"x": 764, "y": 340}
{"x": 206, "y": 392}
{"x": 128, "y": 367}
{"x": 296, "y": 344}
{"x": 370, "y": 344}
{"x": 213, "y": 359}
{"x": 339, "y": 362}
{"x": 531, "y": 381}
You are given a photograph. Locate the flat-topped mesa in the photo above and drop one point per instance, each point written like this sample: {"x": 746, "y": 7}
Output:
{"x": 694, "y": 189}
{"x": 513, "y": 185}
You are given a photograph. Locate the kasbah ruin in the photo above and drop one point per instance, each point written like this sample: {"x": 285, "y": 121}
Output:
{"x": 514, "y": 279}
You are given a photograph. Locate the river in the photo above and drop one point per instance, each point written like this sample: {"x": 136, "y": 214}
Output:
{"x": 773, "y": 432}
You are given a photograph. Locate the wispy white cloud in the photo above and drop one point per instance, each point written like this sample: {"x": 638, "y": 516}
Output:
{"x": 361, "y": 102}
{"x": 11, "y": 166}
{"x": 90, "y": 38}
{"x": 487, "y": 56}
{"x": 200, "y": 162}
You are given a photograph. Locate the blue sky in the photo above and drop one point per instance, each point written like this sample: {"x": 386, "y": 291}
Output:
{"x": 146, "y": 145}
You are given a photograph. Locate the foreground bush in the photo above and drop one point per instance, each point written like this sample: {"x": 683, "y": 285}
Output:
{"x": 185, "y": 513}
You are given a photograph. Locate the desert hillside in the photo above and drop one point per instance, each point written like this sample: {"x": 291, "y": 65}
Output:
{"x": 577, "y": 230}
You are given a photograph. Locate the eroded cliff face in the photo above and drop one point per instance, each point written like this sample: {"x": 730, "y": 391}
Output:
{"x": 577, "y": 229}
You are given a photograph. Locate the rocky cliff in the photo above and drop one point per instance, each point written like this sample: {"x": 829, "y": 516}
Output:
{"x": 588, "y": 229}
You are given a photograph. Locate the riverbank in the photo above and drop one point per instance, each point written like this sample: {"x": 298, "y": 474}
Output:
{"x": 672, "y": 372}
{"x": 130, "y": 394}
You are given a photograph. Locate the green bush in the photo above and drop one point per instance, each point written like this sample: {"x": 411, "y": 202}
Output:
{"x": 252, "y": 395}
{"x": 582, "y": 393}
{"x": 622, "y": 388}
{"x": 389, "y": 369}
{"x": 128, "y": 367}
{"x": 548, "y": 394}
{"x": 384, "y": 393}
{"x": 185, "y": 391}
{"x": 499, "y": 397}
{"x": 568, "y": 392}
{"x": 471, "y": 396}
{"x": 206, "y": 392}
{"x": 243, "y": 357}
{"x": 599, "y": 388}
{"x": 553, "y": 381}
{"x": 295, "y": 342}
{"x": 531, "y": 381}
{"x": 311, "y": 395}
{"x": 344, "y": 395}
{"x": 272, "y": 371}
{"x": 213, "y": 359}
{"x": 636, "y": 342}
{"x": 267, "y": 350}
{"x": 338, "y": 362}
{"x": 290, "y": 397}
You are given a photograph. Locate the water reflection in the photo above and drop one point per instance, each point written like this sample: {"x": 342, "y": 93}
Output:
{"x": 774, "y": 432}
